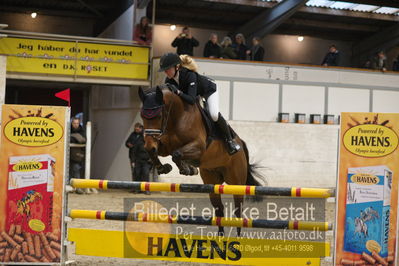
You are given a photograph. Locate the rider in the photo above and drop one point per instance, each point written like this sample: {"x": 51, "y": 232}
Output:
{"x": 181, "y": 72}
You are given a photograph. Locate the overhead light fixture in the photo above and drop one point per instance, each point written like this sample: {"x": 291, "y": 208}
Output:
{"x": 172, "y": 27}
{"x": 33, "y": 15}
{"x": 3, "y": 26}
{"x": 300, "y": 38}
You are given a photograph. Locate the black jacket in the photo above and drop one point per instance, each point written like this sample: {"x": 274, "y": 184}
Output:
{"x": 331, "y": 59}
{"x": 78, "y": 136}
{"x": 212, "y": 49}
{"x": 257, "y": 53}
{"x": 140, "y": 153}
{"x": 193, "y": 84}
{"x": 133, "y": 139}
{"x": 185, "y": 45}
{"x": 241, "y": 51}
{"x": 395, "y": 66}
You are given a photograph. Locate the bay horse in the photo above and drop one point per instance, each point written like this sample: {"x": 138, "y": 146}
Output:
{"x": 173, "y": 127}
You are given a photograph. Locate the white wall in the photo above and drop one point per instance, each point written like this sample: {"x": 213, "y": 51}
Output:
{"x": 348, "y": 100}
{"x": 251, "y": 101}
{"x": 303, "y": 99}
{"x": 386, "y": 101}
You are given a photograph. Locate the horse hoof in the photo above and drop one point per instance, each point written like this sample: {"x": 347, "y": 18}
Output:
{"x": 164, "y": 169}
{"x": 167, "y": 168}
{"x": 194, "y": 171}
{"x": 184, "y": 171}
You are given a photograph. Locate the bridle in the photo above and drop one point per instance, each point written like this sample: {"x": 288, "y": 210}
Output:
{"x": 158, "y": 133}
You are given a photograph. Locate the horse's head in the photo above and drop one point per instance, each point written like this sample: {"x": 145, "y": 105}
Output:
{"x": 152, "y": 114}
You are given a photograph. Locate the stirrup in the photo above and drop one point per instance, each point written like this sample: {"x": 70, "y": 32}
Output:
{"x": 232, "y": 147}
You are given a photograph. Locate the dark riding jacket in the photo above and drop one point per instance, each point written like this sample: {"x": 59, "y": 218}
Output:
{"x": 192, "y": 84}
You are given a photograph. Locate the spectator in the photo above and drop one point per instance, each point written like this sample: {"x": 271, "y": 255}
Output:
{"x": 257, "y": 52}
{"x": 77, "y": 154}
{"x": 130, "y": 143}
{"x": 143, "y": 32}
{"x": 185, "y": 42}
{"x": 395, "y": 66}
{"x": 240, "y": 48}
{"x": 332, "y": 57}
{"x": 142, "y": 161}
{"x": 379, "y": 62}
{"x": 212, "y": 48}
{"x": 227, "y": 49}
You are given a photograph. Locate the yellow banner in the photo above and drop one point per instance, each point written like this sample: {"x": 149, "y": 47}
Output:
{"x": 367, "y": 199}
{"x": 193, "y": 248}
{"x": 75, "y": 58}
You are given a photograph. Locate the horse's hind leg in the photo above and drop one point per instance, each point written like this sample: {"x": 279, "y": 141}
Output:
{"x": 213, "y": 177}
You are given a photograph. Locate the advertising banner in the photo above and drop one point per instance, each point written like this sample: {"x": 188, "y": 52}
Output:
{"x": 32, "y": 170}
{"x": 75, "y": 58}
{"x": 367, "y": 199}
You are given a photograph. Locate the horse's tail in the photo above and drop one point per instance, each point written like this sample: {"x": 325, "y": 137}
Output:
{"x": 252, "y": 172}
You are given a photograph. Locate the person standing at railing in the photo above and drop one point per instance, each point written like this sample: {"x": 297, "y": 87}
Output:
{"x": 77, "y": 154}
{"x": 185, "y": 42}
{"x": 332, "y": 57}
{"x": 239, "y": 47}
{"x": 379, "y": 61}
{"x": 212, "y": 48}
{"x": 257, "y": 52}
{"x": 227, "y": 48}
{"x": 143, "y": 32}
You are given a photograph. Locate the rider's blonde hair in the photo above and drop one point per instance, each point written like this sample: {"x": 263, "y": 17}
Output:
{"x": 188, "y": 62}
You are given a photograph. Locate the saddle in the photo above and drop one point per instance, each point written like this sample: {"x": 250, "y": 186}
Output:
{"x": 212, "y": 130}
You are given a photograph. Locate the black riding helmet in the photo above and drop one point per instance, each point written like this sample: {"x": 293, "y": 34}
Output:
{"x": 168, "y": 60}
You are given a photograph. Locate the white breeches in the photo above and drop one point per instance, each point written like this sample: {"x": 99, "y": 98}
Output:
{"x": 213, "y": 105}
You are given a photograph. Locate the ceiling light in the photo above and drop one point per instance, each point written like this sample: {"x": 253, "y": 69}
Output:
{"x": 300, "y": 38}
{"x": 172, "y": 27}
{"x": 33, "y": 15}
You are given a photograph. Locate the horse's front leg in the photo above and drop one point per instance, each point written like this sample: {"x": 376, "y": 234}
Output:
{"x": 191, "y": 151}
{"x": 161, "y": 168}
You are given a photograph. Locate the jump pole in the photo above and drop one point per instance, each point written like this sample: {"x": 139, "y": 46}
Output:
{"x": 199, "y": 220}
{"x": 207, "y": 188}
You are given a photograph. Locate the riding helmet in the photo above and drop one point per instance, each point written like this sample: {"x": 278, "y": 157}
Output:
{"x": 168, "y": 60}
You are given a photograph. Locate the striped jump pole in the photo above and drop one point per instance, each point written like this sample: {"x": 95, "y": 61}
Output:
{"x": 199, "y": 220}
{"x": 205, "y": 188}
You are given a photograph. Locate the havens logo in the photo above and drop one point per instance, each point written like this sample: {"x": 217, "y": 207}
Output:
{"x": 370, "y": 140}
{"x": 365, "y": 179}
{"x": 33, "y": 131}
{"x": 27, "y": 166}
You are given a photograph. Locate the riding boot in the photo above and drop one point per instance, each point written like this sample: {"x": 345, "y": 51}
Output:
{"x": 232, "y": 146}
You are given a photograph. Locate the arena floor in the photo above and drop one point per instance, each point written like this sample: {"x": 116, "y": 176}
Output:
{"x": 113, "y": 201}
